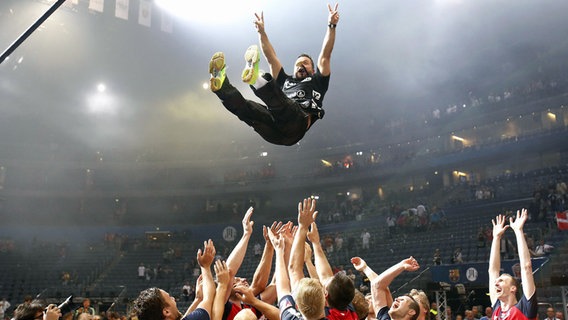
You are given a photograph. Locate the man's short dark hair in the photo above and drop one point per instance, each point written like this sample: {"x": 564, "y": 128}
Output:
{"x": 309, "y": 57}
{"x": 340, "y": 291}
{"x": 28, "y": 311}
{"x": 149, "y": 304}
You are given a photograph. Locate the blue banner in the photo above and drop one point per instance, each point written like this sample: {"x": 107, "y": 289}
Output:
{"x": 476, "y": 273}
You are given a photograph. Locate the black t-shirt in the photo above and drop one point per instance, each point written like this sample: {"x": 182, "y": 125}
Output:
{"x": 308, "y": 93}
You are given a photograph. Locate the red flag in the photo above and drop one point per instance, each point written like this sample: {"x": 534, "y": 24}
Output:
{"x": 562, "y": 220}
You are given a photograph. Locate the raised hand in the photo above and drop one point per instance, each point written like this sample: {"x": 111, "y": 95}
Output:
{"x": 313, "y": 234}
{"x": 359, "y": 264}
{"x": 222, "y": 272}
{"x": 205, "y": 257}
{"x": 247, "y": 223}
{"x": 52, "y": 312}
{"x": 307, "y": 212}
{"x": 259, "y": 22}
{"x": 518, "y": 223}
{"x": 410, "y": 264}
{"x": 333, "y": 14}
{"x": 499, "y": 226}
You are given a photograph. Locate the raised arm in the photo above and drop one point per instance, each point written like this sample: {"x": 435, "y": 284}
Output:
{"x": 306, "y": 216}
{"x": 262, "y": 272}
{"x": 499, "y": 228}
{"x": 361, "y": 266}
{"x": 328, "y": 41}
{"x": 308, "y": 252}
{"x": 223, "y": 285}
{"x": 237, "y": 256}
{"x": 205, "y": 259}
{"x": 281, "y": 268}
{"x": 527, "y": 278}
{"x": 323, "y": 268}
{"x": 380, "y": 285}
{"x": 266, "y": 46}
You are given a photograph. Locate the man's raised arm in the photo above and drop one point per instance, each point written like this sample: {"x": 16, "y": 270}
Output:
{"x": 324, "y": 60}
{"x": 266, "y": 46}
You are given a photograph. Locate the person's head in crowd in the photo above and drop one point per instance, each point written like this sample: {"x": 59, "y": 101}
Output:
{"x": 310, "y": 299}
{"x": 475, "y": 312}
{"x": 550, "y": 312}
{"x": 29, "y": 311}
{"x": 559, "y": 315}
{"x": 488, "y": 312}
{"x": 85, "y": 316}
{"x": 404, "y": 308}
{"x": 154, "y": 303}
{"x": 340, "y": 291}
{"x": 246, "y": 314}
{"x": 423, "y": 301}
{"x": 86, "y": 303}
{"x": 36, "y": 310}
{"x": 360, "y": 305}
{"x": 459, "y": 317}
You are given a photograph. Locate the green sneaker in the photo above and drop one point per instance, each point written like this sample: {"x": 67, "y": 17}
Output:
{"x": 217, "y": 70}
{"x": 250, "y": 72}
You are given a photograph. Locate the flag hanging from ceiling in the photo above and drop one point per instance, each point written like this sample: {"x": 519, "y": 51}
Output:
{"x": 562, "y": 220}
{"x": 145, "y": 13}
{"x": 167, "y": 23}
{"x": 96, "y": 5}
{"x": 121, "y": 10}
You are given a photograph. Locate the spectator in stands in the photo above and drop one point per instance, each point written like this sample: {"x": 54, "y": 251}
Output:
{"x": 35, "y": 310}
{"x": 186, "y": 291}
{"x": 475, "y": 312}
{"x": 559, "y": 315}
{"x": 550, "y": 314}
{"x": 469, "y": 315}
{"x": 449, "y": 315}
{"x": 155, "y": 303}
{"x": 84, "y": 308}
{"x": 480, "y": 244}
{"x": 141, "y": 271}
{"x": 488, "y": 313}
{"x": 365, "y": 240}
{"x": 391, "y": 225}
{"x": 542, "y": 249}
{"x": 433, "y": 311}
{"x": 457, "y": 257}
{"x": 437, "y": 257}
{"x": 338, "y": 242}
{"x": 4, "y": 305}
{"x": 503, "y": 289}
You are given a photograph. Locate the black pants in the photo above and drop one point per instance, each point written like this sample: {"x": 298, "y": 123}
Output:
{"x": 282, "y": 121}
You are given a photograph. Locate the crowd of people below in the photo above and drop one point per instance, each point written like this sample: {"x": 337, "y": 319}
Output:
{"x": 295, "y": 280}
